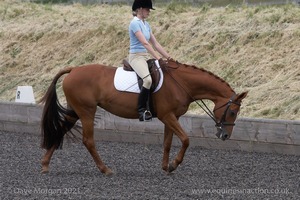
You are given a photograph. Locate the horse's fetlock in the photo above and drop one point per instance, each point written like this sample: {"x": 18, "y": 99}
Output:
{"x": 186, "y": 142}
{"x": 165, "y": 167}
{"x": 45, "y": 162}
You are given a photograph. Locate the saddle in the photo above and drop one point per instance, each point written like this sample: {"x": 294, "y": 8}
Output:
{"x": 153, "y": 69}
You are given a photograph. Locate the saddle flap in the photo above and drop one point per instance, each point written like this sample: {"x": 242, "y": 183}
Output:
{"x": 153, "y": 69}
{"x": 127, "y": 80}
{"x": 126, "y": 66}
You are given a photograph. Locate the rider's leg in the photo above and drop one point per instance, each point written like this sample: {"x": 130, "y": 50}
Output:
{"x": 139, "y": 64}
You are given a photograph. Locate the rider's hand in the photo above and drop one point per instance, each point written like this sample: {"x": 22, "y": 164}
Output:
{"x": 171, "y": 59}
{"x": 162, "y": 63}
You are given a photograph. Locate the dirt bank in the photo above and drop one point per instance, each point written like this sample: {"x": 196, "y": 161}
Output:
{"x": 252, "y": 48}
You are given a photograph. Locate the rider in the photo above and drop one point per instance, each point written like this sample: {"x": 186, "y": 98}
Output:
{"x": 141, "y": 42}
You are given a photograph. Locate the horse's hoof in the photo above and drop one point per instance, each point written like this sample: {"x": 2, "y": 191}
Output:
{"x": 109, "y": 173}
{"x": 44, "y": 171}
{"x": 172, "y": 167}
{"x": 165, "y": 168}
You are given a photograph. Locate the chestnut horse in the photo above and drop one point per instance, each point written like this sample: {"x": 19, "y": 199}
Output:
{"x": 89, "y": 86}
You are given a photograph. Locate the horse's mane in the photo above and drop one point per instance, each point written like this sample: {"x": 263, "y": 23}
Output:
{"x": 204, "y": 71}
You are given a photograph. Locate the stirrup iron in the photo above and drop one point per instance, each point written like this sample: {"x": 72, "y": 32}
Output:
{"x": 149, "y": 116}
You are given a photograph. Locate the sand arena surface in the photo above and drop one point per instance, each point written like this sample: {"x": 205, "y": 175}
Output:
{"x": 204, "y": 174}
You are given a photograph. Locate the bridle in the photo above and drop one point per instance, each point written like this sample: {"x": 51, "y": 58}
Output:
{"x": 222, "y": 133}
{"x": 222, "y": 123}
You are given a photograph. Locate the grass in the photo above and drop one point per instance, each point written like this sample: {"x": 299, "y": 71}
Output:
{"x": 252, "y": 48}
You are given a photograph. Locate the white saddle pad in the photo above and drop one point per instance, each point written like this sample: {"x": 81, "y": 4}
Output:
{"x": 127, "y": 80}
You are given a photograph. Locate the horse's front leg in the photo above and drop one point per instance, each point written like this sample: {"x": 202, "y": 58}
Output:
{"x": 172, "y": 124}
{"x": 168, "y": 136}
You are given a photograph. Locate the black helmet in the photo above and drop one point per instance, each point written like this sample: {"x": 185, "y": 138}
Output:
{"x": 142, "y": 4}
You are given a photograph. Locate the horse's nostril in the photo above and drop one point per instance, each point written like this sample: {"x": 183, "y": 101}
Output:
{"x": 225, "y": 136}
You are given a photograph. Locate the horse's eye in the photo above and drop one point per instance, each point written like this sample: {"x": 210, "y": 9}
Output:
{"x": 232, "y": 113}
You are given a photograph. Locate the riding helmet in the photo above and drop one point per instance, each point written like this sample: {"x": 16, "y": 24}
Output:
{"x": 142, "y": 4}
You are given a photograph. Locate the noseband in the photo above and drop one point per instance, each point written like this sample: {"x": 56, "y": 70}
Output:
{"x": 222, "y": 122}
{"x": 220, "y": 125}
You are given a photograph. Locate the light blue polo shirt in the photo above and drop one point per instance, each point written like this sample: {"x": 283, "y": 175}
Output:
{"x": 135, "y": 25}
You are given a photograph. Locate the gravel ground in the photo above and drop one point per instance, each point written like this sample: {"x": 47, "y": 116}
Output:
{"x": 204, "y": 174}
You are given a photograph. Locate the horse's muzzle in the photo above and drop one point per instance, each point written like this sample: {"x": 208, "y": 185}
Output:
{"x": 222, "y": 133}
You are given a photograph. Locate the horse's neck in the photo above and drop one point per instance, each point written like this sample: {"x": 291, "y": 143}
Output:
{"x": 203, "y": 84}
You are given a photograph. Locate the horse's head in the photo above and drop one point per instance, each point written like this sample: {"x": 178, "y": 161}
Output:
{"x": 226, "y": 114}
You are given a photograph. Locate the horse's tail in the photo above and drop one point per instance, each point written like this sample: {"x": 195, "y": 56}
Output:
{"x": 56, "y": 120}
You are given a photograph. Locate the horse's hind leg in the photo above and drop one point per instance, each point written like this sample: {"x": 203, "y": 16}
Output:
{"x": 46, "y": 159}
{"x": 68, "y": 125}
{"x": 87, "y": 121}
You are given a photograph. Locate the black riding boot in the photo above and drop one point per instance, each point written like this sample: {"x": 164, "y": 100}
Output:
{"x": 144, "y": 114}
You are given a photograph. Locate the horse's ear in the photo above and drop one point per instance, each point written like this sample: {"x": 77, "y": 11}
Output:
{"x": 241, "y": 96}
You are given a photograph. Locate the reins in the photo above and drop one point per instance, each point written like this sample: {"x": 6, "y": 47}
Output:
{"x": 204, "y": 107}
